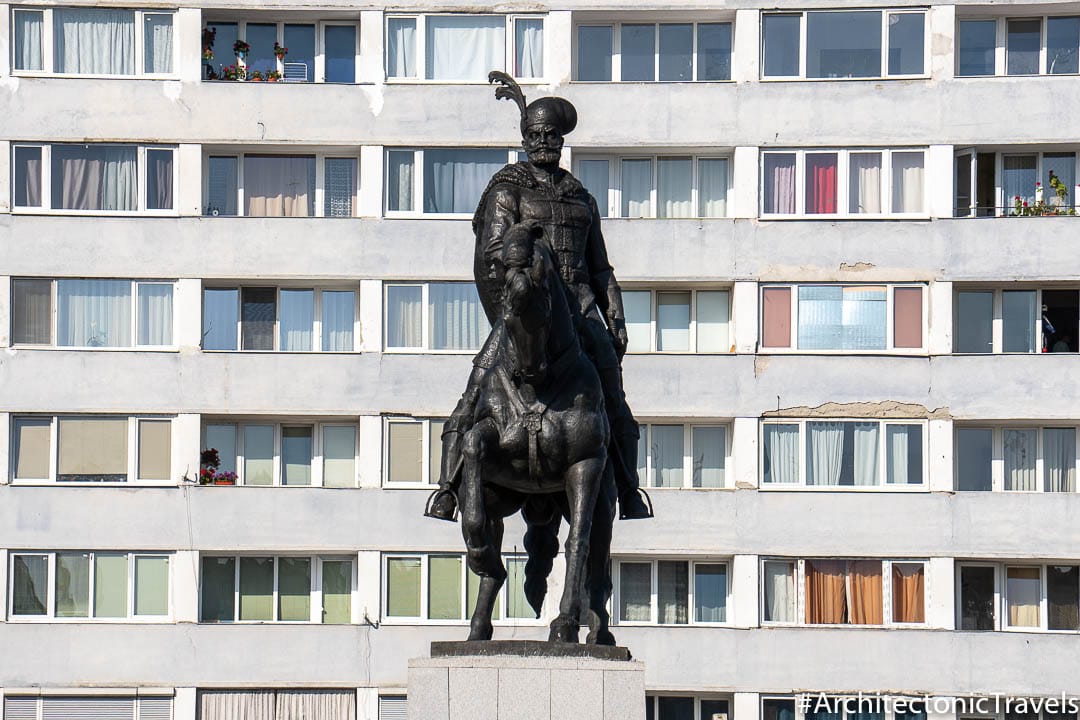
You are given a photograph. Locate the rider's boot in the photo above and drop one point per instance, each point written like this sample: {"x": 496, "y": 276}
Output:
{"x": 632, "y": 505}
{"x": 443, "y": 504}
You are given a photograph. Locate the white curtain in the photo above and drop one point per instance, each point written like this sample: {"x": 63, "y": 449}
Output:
{"x": 455, "y": 179}
{"x": 458, "y": 321}
{"x": 593, "y": 174}
{"x": 824, "y": 452}
{"x": 529, "y": 47}
{"x": 89, "y": 177}
{"x": 338, "y": 318}
{"x": 465, "y": 47}
{"x": 158, "y": 43}
{"x": 779, "y": 587}
{"x": 782, "y": 453}
{"x": 404, "y": 308}
{"x": 637, "y": 182}
{"x": 667, "y": 455}
{"x": 399, "y": 191}
{"x": 236, "y": 705}
{"x": 865, "y": 183}
{"x": 674, "y": 187}
{"x": 866, "y": 453}
{"x": 296, "y": 319}
{"x": 93, "y": 313}
{"x": 28, "y": 29}
{"x": 1020, "y": 451}
{"x": 159, "y": 179}
{"x": 401, "y": 47}
{"x": 155, "y": 314}
{"x": 27, "y": 189}
{"x": 1059, "y": 459}
{"x": 712, "y": 187}
{"x": 279, "y": 186}
{"x": 316, "y": 705}
{"x": 779, "y": 172}
{"x": 635, "y": 592}
{"x": 907, "y": 182}
{"x": 900, "y": 442}
{"x": 1020, "y": 177}
{"x": 93, "y": 41}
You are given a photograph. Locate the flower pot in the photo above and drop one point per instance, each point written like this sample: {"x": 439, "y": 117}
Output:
{"x": 224, "y": 482}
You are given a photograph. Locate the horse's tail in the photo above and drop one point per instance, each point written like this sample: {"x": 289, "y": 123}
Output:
{"x": 542, "y": 545}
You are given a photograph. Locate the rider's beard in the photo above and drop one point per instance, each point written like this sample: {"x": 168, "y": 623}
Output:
{"x": 544, "y": 156}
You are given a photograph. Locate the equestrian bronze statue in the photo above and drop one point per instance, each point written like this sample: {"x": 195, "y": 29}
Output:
{"x": 543, "y": 426}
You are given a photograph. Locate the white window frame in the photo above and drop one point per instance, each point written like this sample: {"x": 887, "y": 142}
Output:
{"x": 653, "y": 697}
{"x": 426, "y": 469}
{"x": 1004, "y": 206}
{"x": 425, "y": 577}
{"x": 654, "y": 600}
{"x": 320, "y": 180}
{"x": 141, "y": 203}
{"x": 425, "y": 321}
{"x": 509, "y": 48}
{"x": 318, "y": 72}
{"x": 133, "y": 478}
{"x": 138, "y": 61}
{"x": 316, "y": 592}
{"x": 886, "y": 12}
{"x": 613, "y": 202}
{"x": 997, "y": 455}
{"x": 512, "y": 155}
{"x": 616, "y": 47}
{"x": 886, "y": 592}
{"x": 843, "y": 171}
{"x": 1001, "y": 599}
{"x": 882, "y": 471}
{"x": 50, "y": 604}
{"x": 654, "y": 293}
{"x": 890, "y": 317}
{"x": 649, "y": 481}
{"x": 999, "y": 593}
{"x": 1001, "y": 44}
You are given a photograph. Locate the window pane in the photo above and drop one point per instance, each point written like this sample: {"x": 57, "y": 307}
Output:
{"x": 93, "y": 450}
{"x": 1059, "y": 459}
{"x": 781, "y": 453}
{"x": 258, "y": 311}
{"x": 338, "y": 319}
{"x": 826, "y": 598}
{"x": 454, "y": 179}
{"x": 258, "y": 454}
{"x": 778, "y": 709}
{"x": 1018, "y": 316}
{"x": 299, "y": 63}
{"x": 256, "y": 588}
{"x": 339, "y": 456}
{"x": 976, "y": 42}
{"x": 435, "y": 431}
{"x": 72, "y": 584}
{"x": 673, "y": 321}
{"x": 593, "y": 174}
{"x": 405, "y": 452}
{"x": 779, "y": 592}
{"x": 779, "y": 183}
{"x": 294, "y": 588}
{"x": 218, "y": 589}
{"x": 909, "y": 593}
{"x": 1062, "y": 41}
{"x": 1023, "y": 592}
{"x": 712, "y": 187}
{"x": 151, "y": 585}
{"x": 906, "y": 41}
{"x": 337, "y": 591}
{"x": 279, "y": 186}
{"x": 223, "y": 439}
{"x": 714, "y": 51}
{"x": 226, "y": 33}
{"x": 594, "y": 52}
{"x": 677, "y": 52}
{"x": 1022, "y": 48}
{"x": 93, "y": 41}
{"x": 93, "y": 313}
{"x": 528, "y": 47}
{"x": 907, "y": 317}
{"x": 340, "y": 49}
{"x": 636, "y": 306}
{"x": 674, "y": 187}
{"x": 340, "y": 187}
{"x": 30, "y": 448}
{"x": 94, "y": 177}
{"x": 667, "y": 455}
{"x": 110, "y": 585}
{"x": 458, "y": 321}
{"x": 297, "y": 320}
{"x": 401, "y": 47}
{"x": 710, "y": 593}
{"x": 29, "y": 587}
{"x": 781, "y": 40}
{"x": 1020, "y": 176}
{"x": 296, "y": 454}
{"x": 27, "y": 190}
{"x": 841, "y": 453}
{"x": 1062, "y": 597}
{"x": 155, "y": 314}
{"x": 465, "y": 47}
{"x": 403, "y": 316}
{"x": 776, "y": 313}
{"x": 710, "y": 709}
{"x": 843, "y": 44}
{"x": 973, "y": 457}
{"x": 155, "y": 444}
{"x": 974, "y": 322}
{"x": 903, "y": 454}
{"x": 907, "y": 179}
{"x": 261, "y": 37}
{"x": 472, "y": 589}
{"x": 157, "y": 43}
{"x": 31, "y": 312}
{"x": 709, "y": 448}
{"x": 399, "y": 180}
{"x": 637, "y": 182}
{"x": 673, "y": 592}
{"x": 675, "y": 708}
{"x": 517, "y": 605}
{"x": 635, "y": 592}
{"x": 712, "y": 321}
{"x": 864, "y": 183}
{"x": 1061, "y": 166}
{"x": 834, "y": 317}
{"x": 638, "y": 52}
{"x": 821, "y": 183}
{"x": 444, "y": 588}
{"x": 28, "y": 30}
{"x": 222, "y": 186}
{"x": 403, "y": 587}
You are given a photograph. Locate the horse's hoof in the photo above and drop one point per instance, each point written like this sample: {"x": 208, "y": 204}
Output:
{"x": 563, "y": 630}
{"x": 480, "y": 631}
{"x": 600, "y": 637}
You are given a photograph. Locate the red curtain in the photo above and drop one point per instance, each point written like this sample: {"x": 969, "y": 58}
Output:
{"x": 821, "y": 183}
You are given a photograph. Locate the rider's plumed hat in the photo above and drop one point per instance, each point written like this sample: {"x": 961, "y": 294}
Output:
{"x": 545, "y": 111}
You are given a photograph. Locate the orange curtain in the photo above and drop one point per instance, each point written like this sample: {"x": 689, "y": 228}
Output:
{"x": 909, "y": 588}
{"x": 866, "y": 601}
{"x": 825, "y": 596}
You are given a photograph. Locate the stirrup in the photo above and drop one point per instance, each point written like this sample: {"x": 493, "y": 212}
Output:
{"x": 457, "y": 505}
{"x": 647, "y": 502}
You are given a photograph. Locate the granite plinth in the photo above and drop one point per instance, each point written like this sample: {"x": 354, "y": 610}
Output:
{"x": 527, "y": 648}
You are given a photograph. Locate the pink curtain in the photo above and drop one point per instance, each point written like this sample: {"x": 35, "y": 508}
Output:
{"x": 779, "y": 174}
{"x": 821, "y": 183}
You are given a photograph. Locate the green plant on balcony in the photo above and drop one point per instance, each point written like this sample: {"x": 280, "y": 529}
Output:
{"x": 255, "y": 76}
{"x": 1058, "y": 205}
{"x": 233, "y": 72}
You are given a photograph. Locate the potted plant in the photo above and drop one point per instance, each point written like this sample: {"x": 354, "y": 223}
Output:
{"x": 273, "y": 76}
{"x": 255, "y": 76}
{"x": 240, "y": 49}
{"x": 233, "y": 72}
{"x": 210, "y": 461}
{"x": 280, "y": 52}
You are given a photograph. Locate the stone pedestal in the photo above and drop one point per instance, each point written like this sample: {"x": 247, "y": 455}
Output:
{"x": 526, "y": 680}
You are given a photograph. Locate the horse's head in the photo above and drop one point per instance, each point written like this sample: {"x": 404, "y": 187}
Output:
{"x": 527, "y": 301}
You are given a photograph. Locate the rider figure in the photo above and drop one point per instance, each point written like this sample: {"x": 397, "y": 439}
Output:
{"x": 525, "y": 197}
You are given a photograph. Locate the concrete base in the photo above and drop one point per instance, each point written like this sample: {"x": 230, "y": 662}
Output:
{"x": 525, "y": 686}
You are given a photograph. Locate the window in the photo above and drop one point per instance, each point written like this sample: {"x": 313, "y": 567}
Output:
{"x": 91, "y": 313}
{"x": 1024, "y": 320}
{"x": 844, "y": 183}
{"x": 279, "y": 319}
{"x": 93, "y": 178}
{"x": 849, "y": 454}
{"x": 1033, "y": 46}
{"x": 89, "y": 585}
{"x": 280, "y": 185}
{"x": 818, "y": 706}
{"x": 434, "y": 316}
{"x": 440, "y": 181}
{"x": 392, "y": 707}
{"x": 285, "y": 453}
{"x": 1015, "y": 183}
{"x": 656, "y": 186}
{"x": 332, "y": 60}
{"x": 670, "y": 592}
{"x": 94, "y": 707}
{"x": 1018, "y": 596}
{"x": 677, "y": 321}
{"x": 91, "y": 449}
{"x": 1034, "y": 459}
{"x": 441, "y": 588}
{"x": 681, "y": 707}
{"x": 277, "y": 589}
{"x": 848, "y": 318}
{"x": 668, "y": 52}
{"x": 677, "y": 456}
{"x": 464, "y": 48}
{"x": 844, "y": 592}
{"x": 413, "y": 450}
{"x": 844, "y": 44}
{"x": 93, "y": 41}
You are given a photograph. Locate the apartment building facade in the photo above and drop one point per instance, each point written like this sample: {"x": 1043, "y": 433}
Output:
{"x": 844, "y": 234}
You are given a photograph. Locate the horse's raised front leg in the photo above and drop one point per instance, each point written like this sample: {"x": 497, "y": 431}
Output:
{"x": 582, "y": 483}
{"x": 483, "y": 535}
